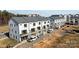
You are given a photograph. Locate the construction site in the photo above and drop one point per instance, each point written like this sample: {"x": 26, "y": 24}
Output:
{"x": 65, "y": 37}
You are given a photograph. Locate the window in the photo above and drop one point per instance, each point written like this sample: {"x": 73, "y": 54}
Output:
{"x": 47, "y": 25}
{"x": 55, "y": 23}
{"x": 24, "y": 32}
{"x": 44, "y": 27}
{"x": 39, "y": 23}
{"x": 71, "y": 19}
{"x": 33, "y": 30}
{"x": 76, "y": 22}
{"x": 71, "y": 22}
{"x": 14, "y": 25}
{"x": 50, "y": 26}
{"x": 75, "y": 19}
{"x": 38, "y": 28}
{"x": 15, "y": 31}
{"x": 11, "y": 24}
{"x": 48, "y": 21}
{"x": 44, "y": 22}
{"x": 25, "y": 25}
{"x": 16, "y": 37}
{"x": 12, "y": 30}
{"x": 33, "y": 24}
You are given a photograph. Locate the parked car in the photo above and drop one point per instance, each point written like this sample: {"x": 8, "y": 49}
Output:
{"x": 29, "y": 40}
{"x": 32, "y": 38}
{"x": 50, "y": 30}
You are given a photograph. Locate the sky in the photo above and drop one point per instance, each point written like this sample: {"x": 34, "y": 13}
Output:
{"x": 44, "y": 12}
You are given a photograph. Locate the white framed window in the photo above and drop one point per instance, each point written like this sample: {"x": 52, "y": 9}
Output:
{"x": 45, "y": 22}
{"x": 15, "y": 31}
{"x": 39, "y": 23}
{"x": 25, "y": 25}
{"x": 48, "y": 21}
{"x": 34, "y": 24}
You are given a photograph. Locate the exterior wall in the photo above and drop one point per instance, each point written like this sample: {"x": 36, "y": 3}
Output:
{"x": 36, "y": 25}
{"x": 13, "y": 30}
{"x": 69, "y": 19}
{"x": 43, "y": 24}
{"x": 59, "y": 22}
{"x": 30, "y": 26}
{"x": 21, "y": 27}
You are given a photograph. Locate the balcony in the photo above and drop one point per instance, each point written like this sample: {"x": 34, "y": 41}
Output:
{"x": 24, "y": 33}
{"x": 33, "y": 33}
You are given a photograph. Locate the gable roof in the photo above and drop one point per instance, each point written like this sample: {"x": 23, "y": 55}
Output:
{"x": 29, "y": 19}
{"x": 54, "y": 17}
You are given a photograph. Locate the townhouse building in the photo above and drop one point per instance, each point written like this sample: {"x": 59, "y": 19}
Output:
{"x": 72, "y": 19}
{"x": 21, "y": 28}
{"x": 58, "y": 20}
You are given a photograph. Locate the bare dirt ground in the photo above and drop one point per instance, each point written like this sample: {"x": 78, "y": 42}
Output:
{"x": 50, "y": 40}
{"x": 56, "y": 39}
{"x": 60, "y": 40}
{"x": 46, "y": 41}
{"x": 4, "y": 28}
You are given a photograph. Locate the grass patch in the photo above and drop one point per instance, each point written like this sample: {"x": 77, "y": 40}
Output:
{"x": 7, "y": 43}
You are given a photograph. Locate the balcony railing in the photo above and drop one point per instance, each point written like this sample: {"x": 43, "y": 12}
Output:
{"x": 23, "y": 34}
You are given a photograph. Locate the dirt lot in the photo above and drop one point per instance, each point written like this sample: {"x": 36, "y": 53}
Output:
{"x": 50, "y": 40}
{"x": 4, "y": 28}
{"x": 60, "y": 40}
{"x": 70, "y": 40}
{"x": 57, "y": 39}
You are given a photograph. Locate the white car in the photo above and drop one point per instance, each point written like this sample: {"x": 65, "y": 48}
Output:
{"x": 32, "y": 38}
{"x": 50, "y": 30}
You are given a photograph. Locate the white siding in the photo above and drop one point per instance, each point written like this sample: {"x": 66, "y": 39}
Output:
{"x": 59, "y": 22}
{"x": 18, "y": 28}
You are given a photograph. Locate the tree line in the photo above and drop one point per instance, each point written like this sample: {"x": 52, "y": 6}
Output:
{"x": 5, "y": 16}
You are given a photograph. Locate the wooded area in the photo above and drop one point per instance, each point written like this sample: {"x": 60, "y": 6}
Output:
{"x": 5, "y": 16}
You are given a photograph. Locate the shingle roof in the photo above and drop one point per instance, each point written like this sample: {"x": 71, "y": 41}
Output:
{"x": 54, "y": 17}
{"x": 29, "y": 19}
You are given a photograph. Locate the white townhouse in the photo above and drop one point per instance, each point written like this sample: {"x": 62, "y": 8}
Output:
{"x": 20, "y": 28}
{"x": 72, "y": 19}
{"x": 58, "y": 20}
